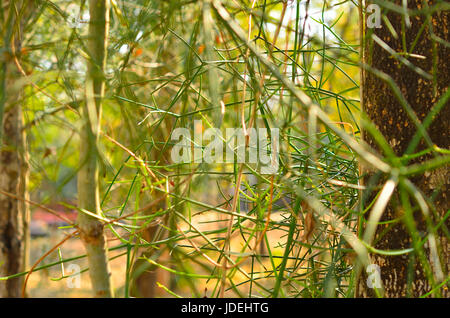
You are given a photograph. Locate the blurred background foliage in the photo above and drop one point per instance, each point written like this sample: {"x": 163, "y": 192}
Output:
{"x": 158, "y": 78}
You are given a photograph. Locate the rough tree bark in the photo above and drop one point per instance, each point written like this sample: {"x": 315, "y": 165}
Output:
{"x": 14, "y": 211}
{"x": 385, "y": 111}
{"x": 92, "y": 233}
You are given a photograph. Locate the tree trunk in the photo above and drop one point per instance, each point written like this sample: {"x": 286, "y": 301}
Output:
{"x": 92, "y": 233}
{"x": 14, "y": 212}
{"x": 384, "y": 109}
{"x": 145, "y": 275}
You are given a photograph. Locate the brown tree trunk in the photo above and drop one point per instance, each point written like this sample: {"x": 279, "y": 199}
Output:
{"x": 391, "y": 119}
{"x": 14, "y": 214}
{"x": 14, "y": 211}
{"x": 145, "y": 274}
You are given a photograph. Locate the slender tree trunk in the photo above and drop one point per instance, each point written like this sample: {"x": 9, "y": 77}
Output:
{"x": 391, "y": 119}
{"x": 14, "y": 213}
{"x": 91, "y": 228}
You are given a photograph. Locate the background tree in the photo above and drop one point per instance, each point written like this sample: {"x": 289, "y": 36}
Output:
{"x": 14, "y": 170}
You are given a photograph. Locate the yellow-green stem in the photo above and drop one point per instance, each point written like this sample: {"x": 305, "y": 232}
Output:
{"x": 92, "y": 232}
